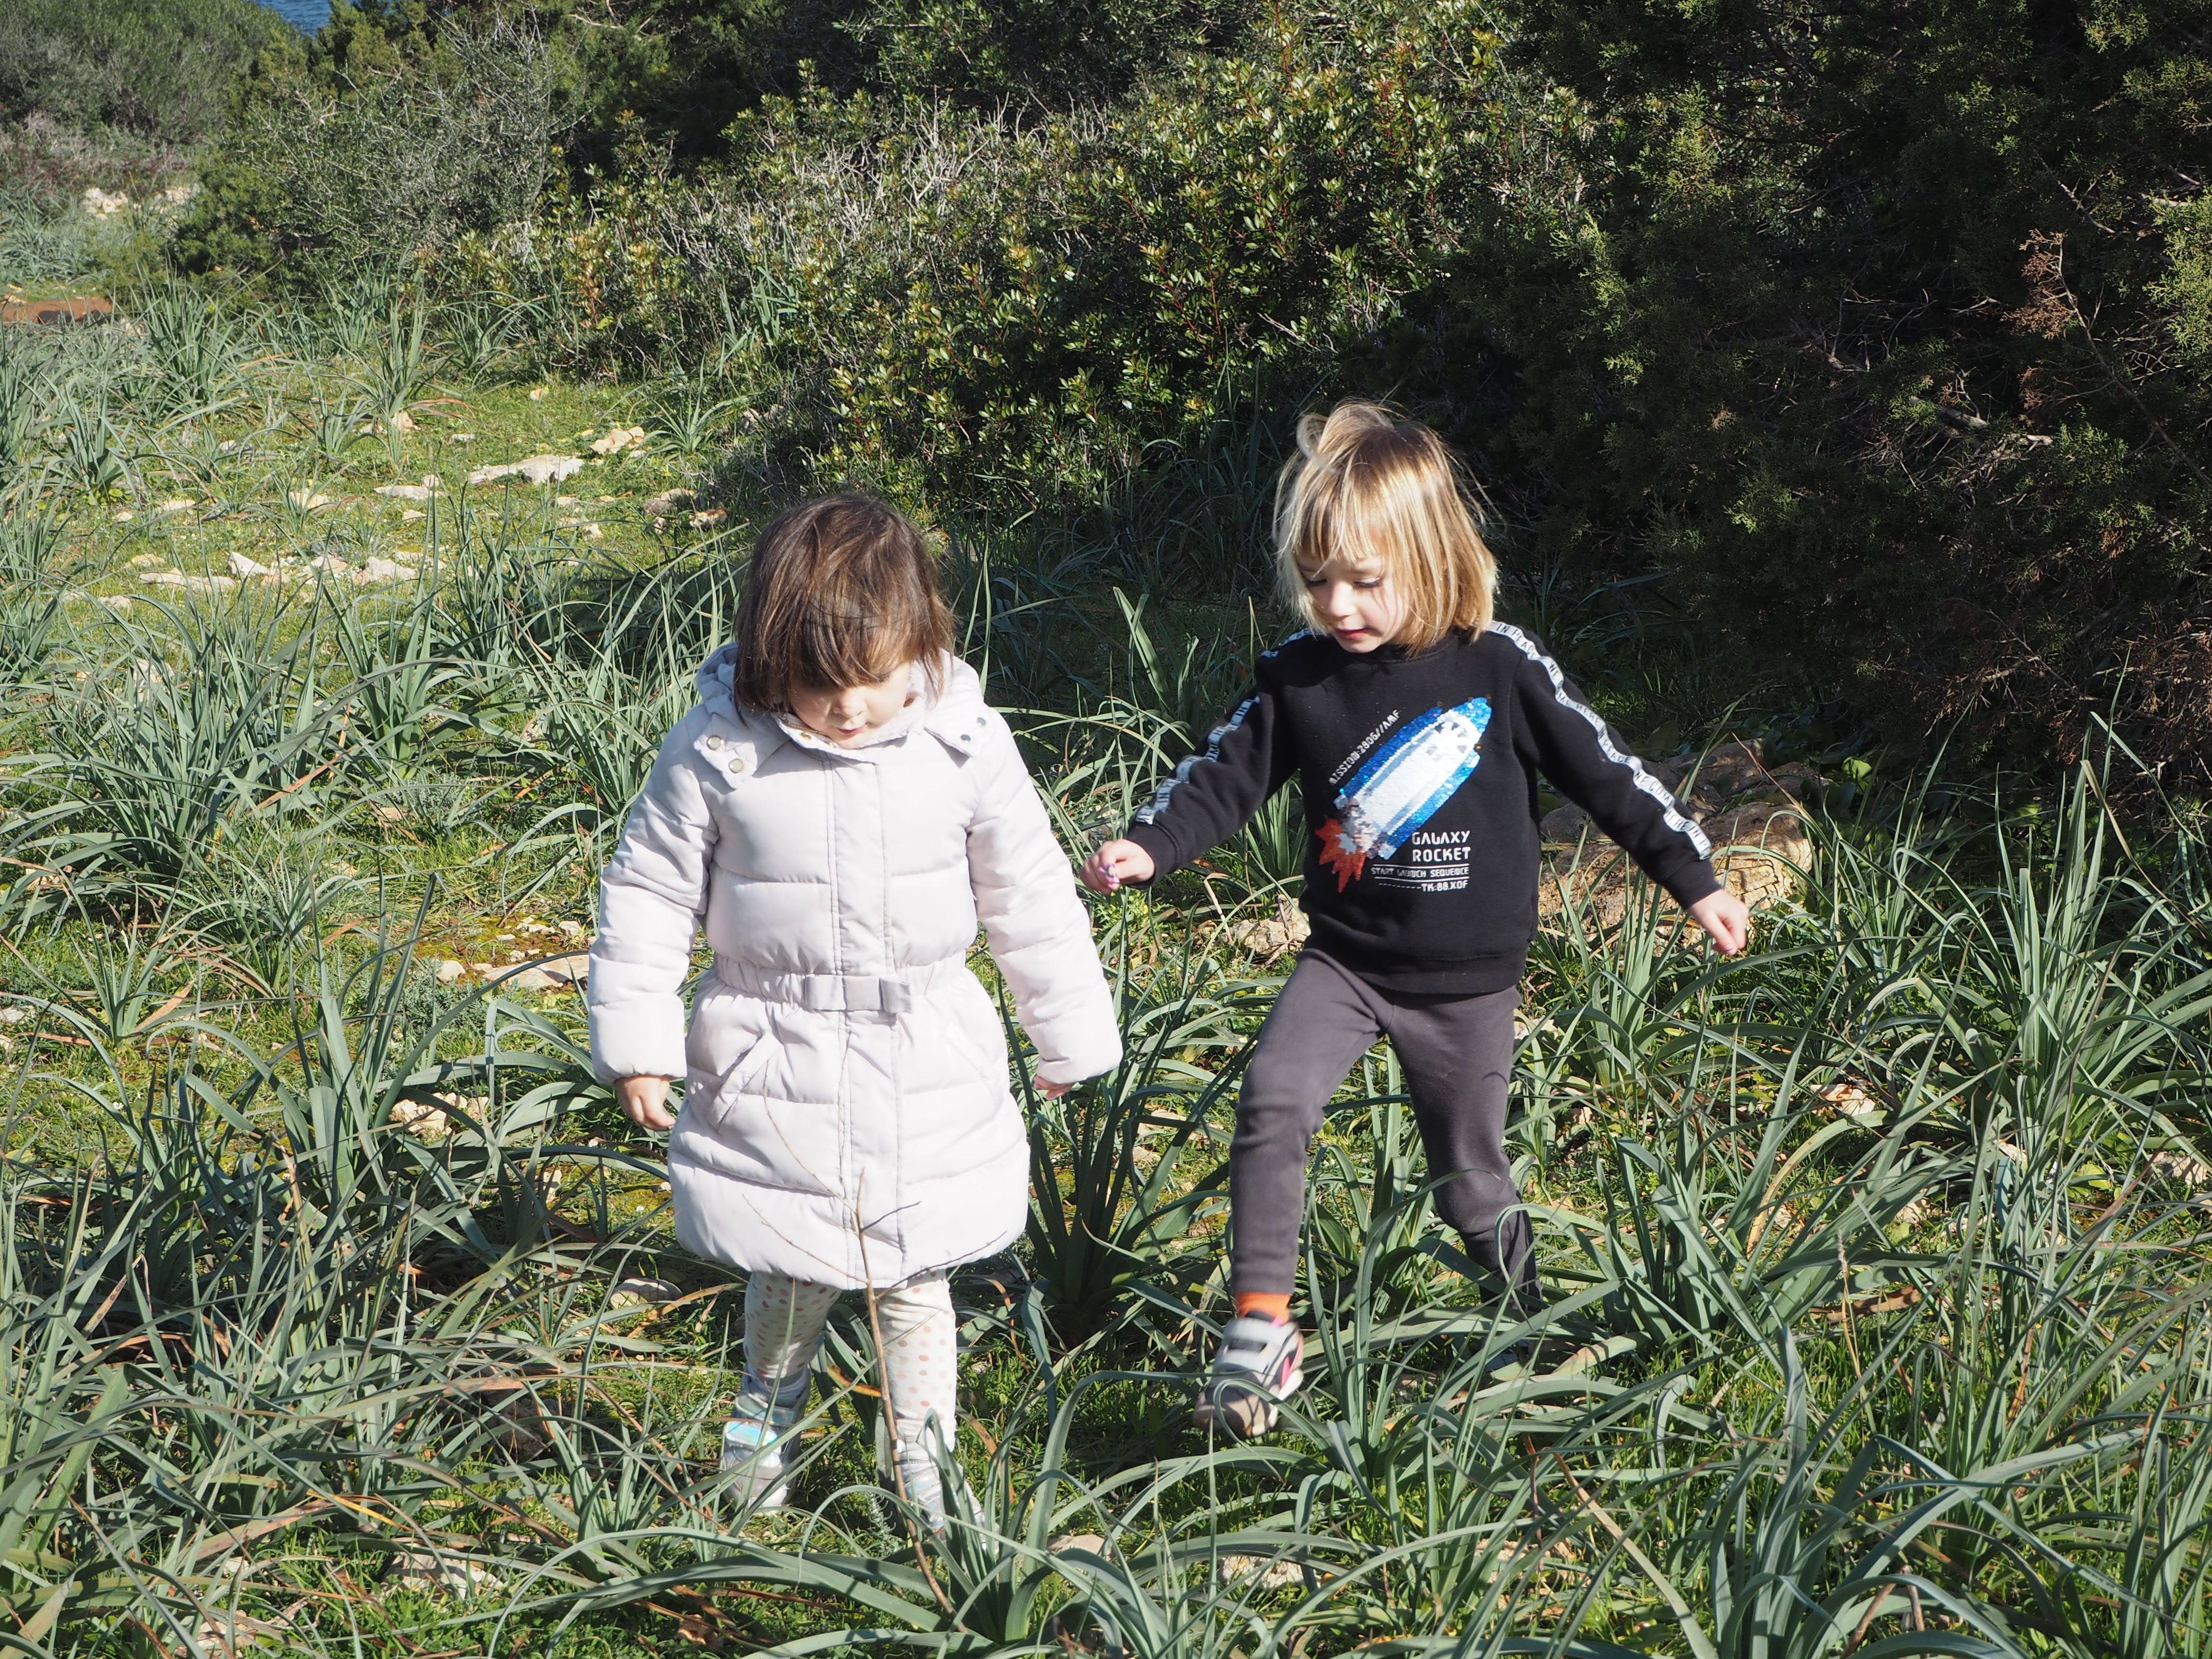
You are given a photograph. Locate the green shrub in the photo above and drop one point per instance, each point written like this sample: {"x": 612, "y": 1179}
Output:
{"x": 985, "y": 310}
{"x": 160, "y": 68}
{"x": 1887, "y": 332}
{"x": 362, "y": 148}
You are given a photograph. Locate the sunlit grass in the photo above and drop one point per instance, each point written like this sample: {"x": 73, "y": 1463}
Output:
{"x": 1876, "y": 1256}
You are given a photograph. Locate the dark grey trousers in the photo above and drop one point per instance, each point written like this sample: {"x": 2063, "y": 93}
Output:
{"x": 1457, "y": 1055}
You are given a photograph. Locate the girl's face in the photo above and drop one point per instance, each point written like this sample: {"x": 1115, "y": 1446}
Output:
{"x": 1356, "y": 602}
{"x": 857, "y": 712}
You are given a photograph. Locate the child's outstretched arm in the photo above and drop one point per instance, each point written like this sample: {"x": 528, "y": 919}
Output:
{"x": 1209, "y": 797}
{"x": 651, "y": 896}
{"x": 1040, "y": 933}
{"x": 1587, "y": 761}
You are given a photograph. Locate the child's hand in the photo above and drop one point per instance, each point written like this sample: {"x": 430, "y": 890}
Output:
{"x": 645, "y": 1102}
{"x": 1726, "y": 918}
{"x": 1052, "y": 1090}
{"x": 1115, "y": 862}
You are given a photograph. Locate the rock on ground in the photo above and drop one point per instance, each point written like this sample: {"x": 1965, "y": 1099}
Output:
{"x": 538, "y": 469}
{"x": 1760, "y": 845}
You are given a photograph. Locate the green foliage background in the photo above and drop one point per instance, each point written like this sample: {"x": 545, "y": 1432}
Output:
{"x": 1886, "y": 332}
{"x": 158, "y": 70}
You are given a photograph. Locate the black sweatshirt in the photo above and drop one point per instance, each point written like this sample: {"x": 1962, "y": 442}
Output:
{"x": 1418, "y": 771}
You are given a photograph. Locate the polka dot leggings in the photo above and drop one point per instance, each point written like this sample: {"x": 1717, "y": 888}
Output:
{"x": 784, "y": 1319}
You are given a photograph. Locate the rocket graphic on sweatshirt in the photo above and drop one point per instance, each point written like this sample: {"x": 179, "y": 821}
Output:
{"x": 1401, "y": 785}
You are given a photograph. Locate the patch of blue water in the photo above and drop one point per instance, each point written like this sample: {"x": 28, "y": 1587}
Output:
{"x": 306, "y": 15}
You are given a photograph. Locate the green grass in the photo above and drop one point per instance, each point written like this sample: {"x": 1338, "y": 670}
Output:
{"x": 1925, "y": 1376}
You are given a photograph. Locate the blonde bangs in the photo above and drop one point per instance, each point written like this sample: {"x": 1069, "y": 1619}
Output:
{"x": 1369, "y": 486}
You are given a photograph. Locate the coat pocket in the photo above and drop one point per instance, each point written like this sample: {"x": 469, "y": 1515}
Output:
{"x": 770, "y": 1101}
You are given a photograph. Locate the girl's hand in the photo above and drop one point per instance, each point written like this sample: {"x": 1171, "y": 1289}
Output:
{"x": 645, "y": 1102}
{"x": 1726, "y": 918}
{"x": 1052, "y": 1090}
{"x": 1115, "y": 862}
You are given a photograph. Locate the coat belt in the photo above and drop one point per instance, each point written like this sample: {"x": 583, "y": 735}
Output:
{"x": 860, "y": 993}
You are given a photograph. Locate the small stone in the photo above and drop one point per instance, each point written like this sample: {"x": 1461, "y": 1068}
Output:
{"x": 460, "y": 437}
{"x": 123, "y": 515}
{"x": 538, "y": 393}
{"x": 148, "y": 561}
{"x": 665, "y": 504}
{"x": 450, "y": 970}
{"x": 634, "y": 1292}
{"x": 572, "y": 970}
{"x": 114, "y": 601}
{"x": 410, "y": 515}
{"x": 307, "y": 500}
{"x": 2189, "y": 1171}
{"x": 178, "y": 504}
{"x": 618, "y": 438}
{"x": 1848, "y": 1100}
{"x": 383, "y": 570}
{"x": 421, "y": 1571}
{"x": 242, "y": 566}
{"x": 538, "y": 469}
{"x": 1565, "y": 823}
{"x": 530, "y": 979}
{"x": 407, "y": 492}
{"x": 708, "y": 519}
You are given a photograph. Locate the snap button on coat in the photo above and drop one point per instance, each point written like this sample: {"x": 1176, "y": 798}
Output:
{"x": 847, "y": 1118}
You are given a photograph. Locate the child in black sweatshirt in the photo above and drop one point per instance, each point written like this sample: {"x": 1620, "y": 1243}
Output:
{"x": 1416, "y": 726}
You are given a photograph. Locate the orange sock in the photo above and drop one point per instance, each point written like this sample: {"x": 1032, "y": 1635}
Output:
{"x": 1277, "y": 1307}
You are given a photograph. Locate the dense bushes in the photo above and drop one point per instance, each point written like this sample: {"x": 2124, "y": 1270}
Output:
{"x": 1887, "y": 332}
{"x": 367, "y": 145}
{"x": 158, "y": 70}
{"x": 990, "y": 309}
{"x": 1893, "y": 325}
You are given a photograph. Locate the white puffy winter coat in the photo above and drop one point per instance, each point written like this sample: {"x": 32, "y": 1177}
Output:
{"x": 847, "y": 1118}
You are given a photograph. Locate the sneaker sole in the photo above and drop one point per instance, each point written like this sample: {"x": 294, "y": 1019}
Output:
{"x": 1258, "y": 1412}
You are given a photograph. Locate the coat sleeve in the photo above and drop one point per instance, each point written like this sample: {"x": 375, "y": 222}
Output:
{"x": 652, "y": 899}
{"x": 1589, "y": 763}
{"x": 1039, "y": 931}
{"x": 1213, "y": 793}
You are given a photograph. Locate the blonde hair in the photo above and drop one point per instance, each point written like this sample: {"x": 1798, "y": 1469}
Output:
{"x": 1368, "y": 484}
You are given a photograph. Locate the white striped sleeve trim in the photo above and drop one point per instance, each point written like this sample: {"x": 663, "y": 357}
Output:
{"x": 1668, "y": 808}
{"x": 1159, "y": 804}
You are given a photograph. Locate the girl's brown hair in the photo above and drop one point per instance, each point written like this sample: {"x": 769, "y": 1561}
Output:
{"x": 842, "y": 591}
{"x": 1368, "y": 485}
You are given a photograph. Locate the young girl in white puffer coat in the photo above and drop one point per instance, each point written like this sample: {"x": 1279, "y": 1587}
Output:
{"x": 839, "y": 811}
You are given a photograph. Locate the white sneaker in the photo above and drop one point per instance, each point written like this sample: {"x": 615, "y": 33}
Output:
{"x": 753, "y": 1452}
{"x": 1258, "y": 1363}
